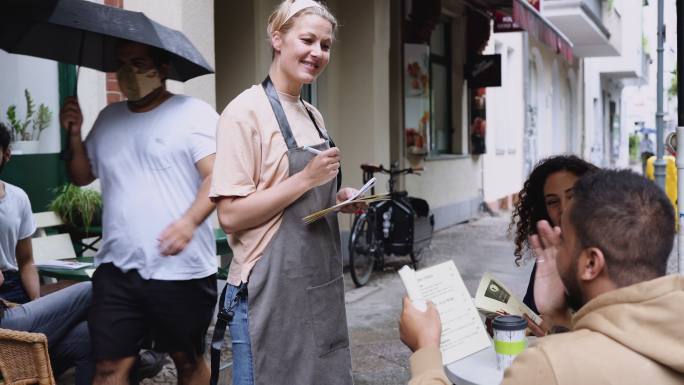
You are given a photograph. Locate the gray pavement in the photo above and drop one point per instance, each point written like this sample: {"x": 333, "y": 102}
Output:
{"x": 378, "y": 356}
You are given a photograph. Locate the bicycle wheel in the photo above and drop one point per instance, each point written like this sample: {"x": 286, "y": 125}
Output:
{"x": 361, "y": 253}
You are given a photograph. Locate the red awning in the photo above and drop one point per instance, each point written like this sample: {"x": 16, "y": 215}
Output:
{"x": 525, "y": 17}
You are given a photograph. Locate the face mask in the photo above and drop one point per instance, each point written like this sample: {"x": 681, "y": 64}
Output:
{"x": 136, "y": 86}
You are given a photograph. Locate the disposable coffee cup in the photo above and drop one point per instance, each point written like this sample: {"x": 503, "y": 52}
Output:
{"x": 509, "y": 339}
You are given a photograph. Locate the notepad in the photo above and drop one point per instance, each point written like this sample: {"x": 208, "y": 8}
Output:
{"x": 463, "y": 332}
{"x": 356, "y": 198}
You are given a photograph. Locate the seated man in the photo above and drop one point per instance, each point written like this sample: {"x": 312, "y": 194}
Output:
{"x": 61, "y": 316}
{"x": 611, "y": 259}
{"x": 18, "y": 275}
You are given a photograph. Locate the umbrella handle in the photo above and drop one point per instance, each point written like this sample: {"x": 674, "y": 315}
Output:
{"x": 66, "y": 153}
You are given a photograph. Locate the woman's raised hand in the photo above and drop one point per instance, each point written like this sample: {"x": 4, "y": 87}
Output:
{"x": 549, "y": 291}
{"x": 323, "y": 167}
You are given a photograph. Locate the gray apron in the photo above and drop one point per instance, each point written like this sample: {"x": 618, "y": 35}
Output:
{"x": 297, "y": 319}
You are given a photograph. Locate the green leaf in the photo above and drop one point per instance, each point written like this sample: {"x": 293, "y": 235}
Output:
{"x": 77, "y": 206}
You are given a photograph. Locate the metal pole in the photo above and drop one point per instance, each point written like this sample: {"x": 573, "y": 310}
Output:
{"x": 660, "y": 162}
{"x": 680, "y": 136}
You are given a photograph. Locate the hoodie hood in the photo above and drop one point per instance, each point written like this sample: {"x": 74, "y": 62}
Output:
{"x": 647, "y": 317}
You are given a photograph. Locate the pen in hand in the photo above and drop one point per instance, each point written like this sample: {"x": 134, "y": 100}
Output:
{"x": 311, "y": 150}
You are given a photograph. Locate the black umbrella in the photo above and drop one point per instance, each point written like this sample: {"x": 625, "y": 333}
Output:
{"x": 84, "y": 33}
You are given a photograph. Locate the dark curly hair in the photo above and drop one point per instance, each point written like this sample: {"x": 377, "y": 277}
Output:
{"x": 5, "y": 137}
{"x": 530, "y": 207}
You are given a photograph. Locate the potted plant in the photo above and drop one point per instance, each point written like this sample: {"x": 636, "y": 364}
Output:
{"x": 26, "y": 132}
{"x": 79, "y": 208}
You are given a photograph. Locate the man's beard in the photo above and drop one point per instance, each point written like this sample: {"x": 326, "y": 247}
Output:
{"x": 573, "y": 293}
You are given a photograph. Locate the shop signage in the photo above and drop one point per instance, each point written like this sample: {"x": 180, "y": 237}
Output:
{"x": 484, "y": 71}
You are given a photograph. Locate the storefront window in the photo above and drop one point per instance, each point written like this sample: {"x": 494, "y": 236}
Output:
{"x": 440, "y": 95}
{"x": 416, "y": 97}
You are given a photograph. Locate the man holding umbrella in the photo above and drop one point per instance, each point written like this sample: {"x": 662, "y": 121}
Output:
{"x": 153, "y": 155}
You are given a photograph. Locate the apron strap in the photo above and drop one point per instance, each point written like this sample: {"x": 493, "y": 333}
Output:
{"x": 326, "y": 137}
{"x": 279, "y": 113}
{"x": 313, "y": 120}
{"x": 224, "y": 316}
{"x": 284, "y": 125}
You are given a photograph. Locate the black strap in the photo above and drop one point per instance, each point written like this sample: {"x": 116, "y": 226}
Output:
{"x": 320, "y": 132}
{"x": 279, "y": 113}
{"x": 224, "y": 316}
{"x": 284, "y": 125}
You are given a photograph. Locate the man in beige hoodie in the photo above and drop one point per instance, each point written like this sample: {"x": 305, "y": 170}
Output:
{"x": 626, "y": 316}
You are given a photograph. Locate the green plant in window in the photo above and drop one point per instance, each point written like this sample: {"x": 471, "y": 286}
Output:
{"x": 77, "y": 207}
{"x": 20, "y": 127}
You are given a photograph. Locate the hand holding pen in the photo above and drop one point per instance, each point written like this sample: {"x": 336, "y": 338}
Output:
{"x": 323, "y": 167}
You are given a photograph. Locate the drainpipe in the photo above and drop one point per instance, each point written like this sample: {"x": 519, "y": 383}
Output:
{"x": 680, "y": 137}
{"x": 660, "y": 162}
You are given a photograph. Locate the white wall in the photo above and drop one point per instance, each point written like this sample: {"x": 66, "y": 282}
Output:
{"x": 605, "y": 81}
{"x": 40, "y": 77}
{"x": 503, "y": 162}
{"x": 196, "y": 20}
{"x": 553, "y": 77}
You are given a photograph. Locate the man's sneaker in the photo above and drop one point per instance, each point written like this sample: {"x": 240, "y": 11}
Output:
{"x": 148, "y": 365}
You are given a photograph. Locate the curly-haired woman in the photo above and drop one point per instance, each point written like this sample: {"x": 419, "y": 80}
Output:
{"x": 544, "y": 196}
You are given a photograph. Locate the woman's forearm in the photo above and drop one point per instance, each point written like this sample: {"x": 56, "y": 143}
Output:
{"x": 242, "y": 213}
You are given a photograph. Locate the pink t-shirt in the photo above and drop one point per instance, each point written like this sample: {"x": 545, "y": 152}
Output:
{"x": 251, "y": 155}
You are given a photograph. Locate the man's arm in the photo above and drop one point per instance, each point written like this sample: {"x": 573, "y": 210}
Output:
{"x": 421, "y": 332}
{"x": 27, "y": 270}
{"x": 71, "y": 119}
{"x": 179, "y": 233}
{"x": 531, "y": 367}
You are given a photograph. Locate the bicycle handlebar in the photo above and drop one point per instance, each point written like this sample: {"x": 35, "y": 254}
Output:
{"x": 373, "y": 169}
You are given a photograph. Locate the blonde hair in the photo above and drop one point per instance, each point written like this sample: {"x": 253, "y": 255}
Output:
{"x": 279, "y": 21}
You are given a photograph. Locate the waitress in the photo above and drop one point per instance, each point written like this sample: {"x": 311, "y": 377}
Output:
{"x": 284, "y": 302}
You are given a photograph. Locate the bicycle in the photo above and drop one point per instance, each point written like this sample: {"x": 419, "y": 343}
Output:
{"x": 402, "y": 225}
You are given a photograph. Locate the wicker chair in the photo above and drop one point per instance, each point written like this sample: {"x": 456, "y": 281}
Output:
{"x": 24, "y": 359}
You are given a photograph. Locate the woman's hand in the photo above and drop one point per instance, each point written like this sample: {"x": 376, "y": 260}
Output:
{"x": 419, "y": 329}
{"x": 537, "y": 330}
{"x": 323, "y": 167}
{"x": 549, "y": 291}
{"x": 346, "y": 193}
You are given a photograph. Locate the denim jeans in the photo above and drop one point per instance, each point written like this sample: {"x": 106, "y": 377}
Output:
{"x": 13, "y": 289}
{"x": 243, "y": 369}
{"x": 61, "y": 316}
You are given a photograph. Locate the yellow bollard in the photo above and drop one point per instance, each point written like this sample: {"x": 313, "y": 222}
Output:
{"x": 670, "y": 177}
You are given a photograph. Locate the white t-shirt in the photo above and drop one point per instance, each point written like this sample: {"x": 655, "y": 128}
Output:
{"x": 16, "y": 223}
{"x": 146, "y": 165}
